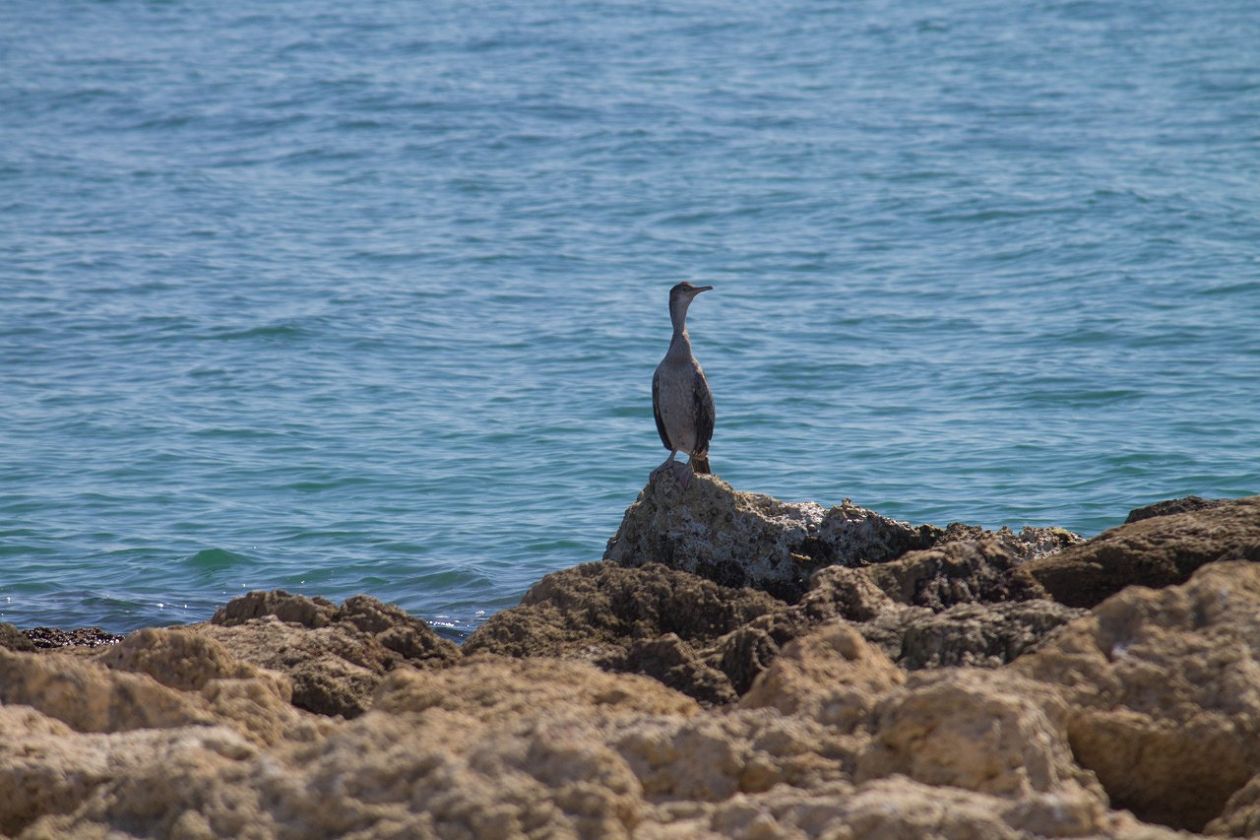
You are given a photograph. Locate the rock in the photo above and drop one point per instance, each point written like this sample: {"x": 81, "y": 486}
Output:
{"x": 180, "y": 732}
{"x": 14, "y": 639}
{"x": 1241, "y": 816}
{"x": 292, "y": 609}
{"x": 902, "y": 808}
{"x": 982, "y": 635}
{"x": 711, "y": 758}
{"x": 47, "y": 769}
{"x": 976, "y": 635}
{"x": 651, "y": 620}
{"x": 491, "y": 688}
{"x": 1171, "y": 506}
{"x": 334, "y": 656}
{"x": 1160, "y": 550}
{"x": 182, "y": 660}
{"x": 984, "y": 568}
{"x": 1164, "y": 688}
{"x": 986, "y": 731}
{"x": 90, "y": 698}
{"x": 52, "y": 638}
{"x": 678, "y": 665}
{"x": 831, "y": 675}
{"x": 745, "y": 539}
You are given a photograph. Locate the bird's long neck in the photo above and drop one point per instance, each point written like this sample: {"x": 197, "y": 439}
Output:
{"x": 680, "y": 344}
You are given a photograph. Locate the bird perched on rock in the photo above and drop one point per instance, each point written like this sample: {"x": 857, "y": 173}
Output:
{"x": 681, "y": 399}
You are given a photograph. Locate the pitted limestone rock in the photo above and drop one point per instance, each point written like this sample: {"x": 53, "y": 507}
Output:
{"x": 747, "y": 539}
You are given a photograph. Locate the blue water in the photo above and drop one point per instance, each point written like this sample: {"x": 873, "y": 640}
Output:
{"x": 366, "y": 297}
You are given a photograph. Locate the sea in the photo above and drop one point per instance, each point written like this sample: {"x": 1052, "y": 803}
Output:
{"x": 365, "y": 297}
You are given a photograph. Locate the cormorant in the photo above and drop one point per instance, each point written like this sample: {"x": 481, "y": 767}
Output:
{"x": 681, "y": 399}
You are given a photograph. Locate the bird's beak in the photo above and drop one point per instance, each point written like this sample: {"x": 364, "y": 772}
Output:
{"x": 700, "y": 289}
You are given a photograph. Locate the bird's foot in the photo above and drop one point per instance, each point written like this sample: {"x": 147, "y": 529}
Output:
{"x": 683, "y": 473}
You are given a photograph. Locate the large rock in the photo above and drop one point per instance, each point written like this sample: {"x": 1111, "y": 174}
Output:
{"x": 49, "y": 770}
{"x": 494, "y": 688}
{"x": 715, "y": 757}
{"x": 1241, "y": 816}
{"x": 831, "y": 675}
{"x": 983, "y": 635}
{"x": 1171, "y": 506}
{"x": 970, "y": 566}
{"x": 14, "y": 639}
{"x": 1157, "y": 550}
{"x": 651, "y": 620}
{"x": 977, "y": 635}
{"x": 334, "y": 656}
{"x": 196, "y": 684}
{"x": 597, "y": 609}
{"x": 1164, "y": 692}
{"x": 181, "y": 733}
{"x": 746, "y": 539}
{"x": 987, "y": 731}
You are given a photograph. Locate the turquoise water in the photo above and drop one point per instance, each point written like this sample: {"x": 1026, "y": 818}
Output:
{"x": 366, "y": 297}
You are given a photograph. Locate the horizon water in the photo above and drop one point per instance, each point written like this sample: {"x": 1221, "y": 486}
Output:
{"x": 344, "y": 298}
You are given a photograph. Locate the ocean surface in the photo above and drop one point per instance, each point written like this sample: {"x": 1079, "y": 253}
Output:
{"x": 366, "y": 297}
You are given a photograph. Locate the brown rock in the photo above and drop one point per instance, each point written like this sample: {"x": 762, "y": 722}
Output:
{"x": 976, "y": 635}
{"x": 54, "y": 638}
{"x": 650, "y": 620}
{"x": 14, "y": 639}
{"x": 980, "y": 569}
{"x": 745, "y": 539}
{"x": 1241, "y": 816}
{"x": 713, "y": 757}
{"x": 1171, "y": 506}
{"x": 676, "y": 664}
{"x": 986, "y": 731}
{"x": 493, "y": 688}
{"x": 1164, "y": 687}
{"x": 1157, "y": 551}
{"x": 831, "y": 675}
{"x": 291, "y": 609}
{"x": 47, "y": 769}
{"x": 334, "y": 656}
{"x": 982, "y": 635}
{"x": 90, "y": 698}
{"x": 181, "y": 659}
{"x": 601, "y": 606}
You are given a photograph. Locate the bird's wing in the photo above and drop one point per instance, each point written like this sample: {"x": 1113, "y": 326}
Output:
{"x": 656, "y": 409}
{"x": 705, "y": 413}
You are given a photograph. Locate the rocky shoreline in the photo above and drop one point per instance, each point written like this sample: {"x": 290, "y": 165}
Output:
{"x": 735, "y": 666}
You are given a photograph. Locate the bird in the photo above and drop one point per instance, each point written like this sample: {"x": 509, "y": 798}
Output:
{"x": 681, "y": 399}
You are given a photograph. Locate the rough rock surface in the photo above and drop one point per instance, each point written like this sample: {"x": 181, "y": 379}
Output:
{"x": 854, "y": 721}
{"x": 1158, "y": 550}
{"x": 13, "y": 638}
{"x": 595, "y": 609}
{"x": 334, "y": 656}
{"x": 981, "y": 635}
{"x": 53, "y": 638}
{"x": 650, "y": 620}
{"x": 980, "y": 568}
{"x": 831, "y": 675}
{"x": 745, "y": 539}
{"x": 492, "y": 688}
{"x": 1171, "y": 506}
{"x": 1164, "y": 687}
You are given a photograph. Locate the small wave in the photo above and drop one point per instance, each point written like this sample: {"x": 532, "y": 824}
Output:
{"x": 212, "y": 559}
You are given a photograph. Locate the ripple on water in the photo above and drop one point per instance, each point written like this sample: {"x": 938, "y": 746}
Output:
{"x": 337, "y": 298}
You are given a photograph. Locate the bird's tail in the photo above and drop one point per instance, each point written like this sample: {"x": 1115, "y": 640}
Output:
{"x": 700, "y": 464}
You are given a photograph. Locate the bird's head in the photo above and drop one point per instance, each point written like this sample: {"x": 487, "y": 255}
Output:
{"x": 684, "y": 291}
{"x": 680, "y": 297}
